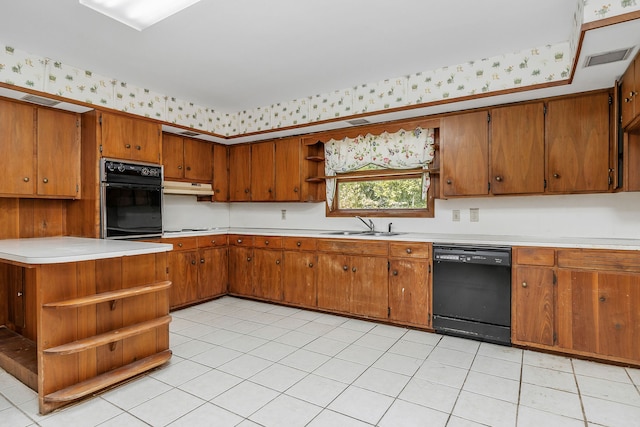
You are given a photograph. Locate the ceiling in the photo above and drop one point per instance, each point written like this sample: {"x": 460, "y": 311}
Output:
{"x": 233, "y": 55}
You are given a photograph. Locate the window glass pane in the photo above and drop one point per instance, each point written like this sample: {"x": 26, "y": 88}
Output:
{"x": 400, "y": 193}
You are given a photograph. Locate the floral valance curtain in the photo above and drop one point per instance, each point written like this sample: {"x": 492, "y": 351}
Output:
{"x": 400, "y": 150}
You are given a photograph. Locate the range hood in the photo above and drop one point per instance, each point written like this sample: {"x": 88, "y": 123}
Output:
{"x": 187, "y": 188}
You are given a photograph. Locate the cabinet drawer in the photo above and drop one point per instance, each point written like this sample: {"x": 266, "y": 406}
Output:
{"x": 594, "y": 259}
{"x": 241, "y": 240}
{"x": 182, "y": 243}
{"x": 355, "y": 247}
{"x": 408, "y": 249}
{"x": 268, "y": 242}
{"x": 534, "y": 256}
{"x": 213, "y": 240}
{"x": 299, "y": 243}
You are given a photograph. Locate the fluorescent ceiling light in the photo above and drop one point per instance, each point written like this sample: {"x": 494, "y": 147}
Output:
{"x": 138, "y": 14}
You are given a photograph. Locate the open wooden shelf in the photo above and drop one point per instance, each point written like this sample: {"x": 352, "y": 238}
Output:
{"x": 315, "y": 158}
{"x": 110, "y": 296}
{"x": 19, "y": 357}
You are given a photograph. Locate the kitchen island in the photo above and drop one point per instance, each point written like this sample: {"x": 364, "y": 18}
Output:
{"x": 78, "y": 315}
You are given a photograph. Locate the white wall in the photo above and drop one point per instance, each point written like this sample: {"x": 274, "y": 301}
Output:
{"x": 590, "y": 215}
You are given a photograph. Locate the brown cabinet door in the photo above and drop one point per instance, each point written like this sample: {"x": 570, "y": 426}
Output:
{"x": 287, "y": 168}
{"x": 465, "y": 154}
{"x": 299, "y": 278}
{"x": 172, "y": 156}
{"x": 240, "y": 270}
{"x": 213, "y": 272}
{"x": 263, "y": 172}
{"x": 17, "y": 145}
{"x": 183, "y": 273}
{"x": 578, "y": 144}
{"x": 334, "y": 282}
{"x": 630, "y": 92}
{"x": 130, "y": 138}
{"x": 409, "y": 292}
{"x": 267, "y": 274}
{"x": 533, "y": 306}
{"x": 240, "y": 173}
{"x": 517, "y": 149}
{"x": 369, "y": 286}
{"x": 220, "y": 173}
{"x": 58, "y": 153}
{"x": 198, "y": 160}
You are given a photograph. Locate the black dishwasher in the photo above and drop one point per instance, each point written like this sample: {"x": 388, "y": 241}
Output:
{"x": 472, "y": 292}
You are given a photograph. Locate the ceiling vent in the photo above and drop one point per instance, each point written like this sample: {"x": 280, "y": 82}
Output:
{"x": 189, "y": 133}
{"x": 356, "y": 122}
{"x": 607, "y": 57}
{"x": 40, "y": 100}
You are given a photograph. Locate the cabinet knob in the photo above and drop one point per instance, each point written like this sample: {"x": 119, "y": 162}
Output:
{"x": 354, "y": 269}
{"x": 180, "y": 167}
{"x": 45, "y": 180}
{"x": 138, "y": 147}
{"x": 345, "y": 267}
{"x": 213, "y": 242}
{"x": 298, "y": 244}
{"x": 248, "y": 259}
{"x": 602, "y": 299}
{"x": 270, "y": 191}
{"x": 201, "y": 260}
{"x": 277, "y": 262}
{"x": 239, "y": 240}
{"x": 217, "y": 190}
{"x": 555, "y": 175}
{"x": 266, "y": 243}
{"x": 127, "y": 145}
{"x": 295, "y": 189}
{"x": 193, "y": 262}
{"x": 408, "y": 250}
{"x": 524, "y": 284}
{"x": 246, "y": 190}
{"x": 310, "y": 265}
{"x": 498, "y": 178}
{"x": 188, "y": 168}
{"x": 628, "y": 100}
{"x": 395, "y": 272}
{"x": 25, "y": 179}
{"x": 633, "y": 93}
{"x": 179, "y": 245}
{"x": 19, "y": 294}
{"x": 448, "y": 181}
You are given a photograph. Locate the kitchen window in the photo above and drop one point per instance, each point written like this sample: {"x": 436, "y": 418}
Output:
{"x": 381, "y": 175}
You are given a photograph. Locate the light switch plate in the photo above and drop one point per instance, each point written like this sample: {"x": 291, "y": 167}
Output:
{"x": 474, "y": 214}
{"x": 455, "y": 215}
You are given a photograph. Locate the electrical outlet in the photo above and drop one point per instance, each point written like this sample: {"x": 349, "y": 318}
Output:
{"x": 474, "y": 214}
{"x": 455, "y": 215}
{"x": 284, "y": 214}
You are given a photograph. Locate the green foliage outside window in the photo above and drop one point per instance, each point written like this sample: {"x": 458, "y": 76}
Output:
{"x": 397, "y": 193}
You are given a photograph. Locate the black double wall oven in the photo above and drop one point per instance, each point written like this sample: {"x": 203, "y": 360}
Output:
{"x": 130, "y": 199}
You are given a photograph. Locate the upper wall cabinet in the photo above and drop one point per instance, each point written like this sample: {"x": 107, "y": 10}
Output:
{"x": 263, "y": 173}
{"x": 465, "y": 154}
{"x": 517, "y": 149}
{"x": 220, "y": 173}
{"x": 186, "y": 158}
{"x": 288, "y": 171}
{"x": 130, "y": 138}
{"x": 41, "y": 151}
{"x": 630, "y": 91}
{"x": 578, "y": 144}
{"x": 240, "y": 173}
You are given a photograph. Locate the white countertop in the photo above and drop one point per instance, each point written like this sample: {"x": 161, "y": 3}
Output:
{"x": 472, "y": 239}
{"x": 53, "y": 250}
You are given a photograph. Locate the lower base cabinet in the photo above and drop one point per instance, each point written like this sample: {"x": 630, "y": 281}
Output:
{"x": 409, "y": 283}
{"x": 299, "y": 278}
{"x": 578, "y": 301}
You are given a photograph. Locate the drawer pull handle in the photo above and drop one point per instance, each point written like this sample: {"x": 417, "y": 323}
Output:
{"x": 345, "y": 267}
{"x": 409, "y": 250}
{"x": 188, "y": 168}
{"x": 127, "y": 145}
{"x": 213, "y": 242}
{"x": 277, "y": 262}
{"x": 498, "y": 178}
{"x": 239, "y": 240}
{"x": 19, "y": 294}
{"x": 193, "y": 262}
{"x": 45, "y": 180}
{"x": 298, "y": 244}
{"x": 555, "y": 175}
{"x": 266, "y": 242}
{"x": 246, "y": 190}
{"x": 295, "y": 189}
{"x": 179, "y": 167}
{"x": 310, "y": 265}
{"x": 395, "y": 272}
{"x": 524, "y": 284}
{"x": 179, "y": 245}
{"x": 249, "y": 259}
{"x": 26, "y": 179}
{"x": 138, "y": 147}
{"x": 201, "y": 260}
{"x": 602, "y": 299}
{"x": 354, "y": 269}
{"x": 449, "y": 181}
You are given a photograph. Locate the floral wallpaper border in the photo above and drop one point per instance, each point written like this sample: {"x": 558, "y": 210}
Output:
{"x": 538, "y": 65}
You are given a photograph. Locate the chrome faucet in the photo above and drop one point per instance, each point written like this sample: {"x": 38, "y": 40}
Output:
{"x": 369, "y": 225}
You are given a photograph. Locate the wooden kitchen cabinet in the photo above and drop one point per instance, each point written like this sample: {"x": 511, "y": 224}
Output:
{"x": 267, "y": 271}
{"x": 300, "y": 271}
{"x": 41, "y": 148}
{"x": 517, "y": 149}
{"x": 465, "y": 154}
{"x": 287, "y": 170}
{"x": 630, "y": 91}
{"x": 130, "y": 138}
{"x": 533, "y": 319}
{"x": 241, "y": 265}
{"x": 263, "y": 172}
{"x": 369, "y": 290}
{"x": 213, "y": 270}
{"x": 334, "y": 282}
{"x": 186, "y": 159}
{"x": 577, "y": 135}
{"x": 240, "y": 173}
{"x": 220, "y": 173}
{"x": 409, "y": 283}
{"x": 183, "y": 273}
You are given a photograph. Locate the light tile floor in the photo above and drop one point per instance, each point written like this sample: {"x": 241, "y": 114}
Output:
{"x": 246, "y": 363}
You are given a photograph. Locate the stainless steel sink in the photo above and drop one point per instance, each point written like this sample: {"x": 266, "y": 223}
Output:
{"x": 381, "y": 233}
{"x": 345, "y": 233}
